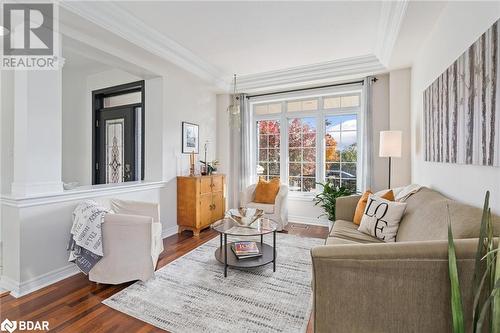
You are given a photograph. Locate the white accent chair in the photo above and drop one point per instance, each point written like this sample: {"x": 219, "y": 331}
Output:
{"x": 132, "y": 243}
{"x": 278, "y": 211}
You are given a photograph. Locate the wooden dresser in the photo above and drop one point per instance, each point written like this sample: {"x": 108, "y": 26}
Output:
{"x": 201, "y": 201}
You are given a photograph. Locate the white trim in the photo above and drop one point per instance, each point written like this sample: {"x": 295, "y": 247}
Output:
{"x": 168, "y": 231}
{"x": 35, "y": 188}
{"x": 320, "y": 71}
{"x": 112, "y": 17}
{"x": 81, "y": 193}
{"x": 20, "y": 289}
{"x": 308, "y": 220}
{"x": 391, "y": 19}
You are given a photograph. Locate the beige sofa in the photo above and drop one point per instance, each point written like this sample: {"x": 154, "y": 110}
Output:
{"x": 131, "y": 243}
{"x": 364, "y": 285}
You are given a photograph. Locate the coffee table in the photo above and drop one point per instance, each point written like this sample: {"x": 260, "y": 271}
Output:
{"x": 261, "y": 227}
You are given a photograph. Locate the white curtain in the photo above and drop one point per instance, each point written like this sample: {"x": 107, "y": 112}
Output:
{"x": 367, "y": 135}
{"x": 242, "y": 156}
{"x": 247, "y": 156}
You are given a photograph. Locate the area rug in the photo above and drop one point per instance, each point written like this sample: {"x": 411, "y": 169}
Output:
{"x": 191, "y": 294}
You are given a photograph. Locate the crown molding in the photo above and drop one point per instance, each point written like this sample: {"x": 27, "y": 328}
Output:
{"x": 309, "y": 73}
{"x": 390, "y": 21}
{"x": 110, "y": 16}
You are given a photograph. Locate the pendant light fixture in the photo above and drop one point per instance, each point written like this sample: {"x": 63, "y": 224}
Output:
{"x": 234, "y": 108}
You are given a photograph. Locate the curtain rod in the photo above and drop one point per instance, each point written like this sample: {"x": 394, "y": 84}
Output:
{"x": 305, "y": 89}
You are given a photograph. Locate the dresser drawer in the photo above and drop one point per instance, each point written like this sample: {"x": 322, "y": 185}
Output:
{"x": 218, "y": 183}
{"x": 205, "y": 185}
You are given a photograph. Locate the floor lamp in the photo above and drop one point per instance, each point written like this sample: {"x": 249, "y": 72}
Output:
{"x": 390, "y": 146}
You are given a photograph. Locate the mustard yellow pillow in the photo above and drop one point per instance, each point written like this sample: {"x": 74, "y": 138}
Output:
{"x": 266, "y": 191}
{"x": 361, "y": 206}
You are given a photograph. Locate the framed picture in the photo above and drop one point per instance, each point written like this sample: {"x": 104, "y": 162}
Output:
{"x": 190, "y": 138}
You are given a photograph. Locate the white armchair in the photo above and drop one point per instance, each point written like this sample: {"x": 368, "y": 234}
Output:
{"x": 132, "y": 243}
{"x": 277, "y": 211}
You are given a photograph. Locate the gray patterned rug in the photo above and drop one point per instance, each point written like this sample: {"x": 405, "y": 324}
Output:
{"x": 191, "y": 294}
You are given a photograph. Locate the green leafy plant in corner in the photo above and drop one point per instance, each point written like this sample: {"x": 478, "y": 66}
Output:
{"x": 486, "y": 280}
{"x": 328, "y": 197}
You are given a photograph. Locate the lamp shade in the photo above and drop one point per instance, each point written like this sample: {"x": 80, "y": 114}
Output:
{"x": 390, "y": 144}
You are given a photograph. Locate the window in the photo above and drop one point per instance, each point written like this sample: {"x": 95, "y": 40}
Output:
{"x": 302, "y": 154}
{"x": 268, "y": 137}
{"x": 341, "y": 150}
{"x": 316, "y": 138}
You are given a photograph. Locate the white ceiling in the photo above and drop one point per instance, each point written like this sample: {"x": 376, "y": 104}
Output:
{"x": 268, "y": 44}
{"x": 254, "y": 37}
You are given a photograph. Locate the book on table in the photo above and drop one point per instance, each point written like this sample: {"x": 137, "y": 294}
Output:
{"x": 244, "y": 250}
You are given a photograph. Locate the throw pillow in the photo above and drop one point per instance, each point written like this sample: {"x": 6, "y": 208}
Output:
{"x": 266, "y": 191}
{"x": 360, "y": 207}
{"x": 381, "y": 218}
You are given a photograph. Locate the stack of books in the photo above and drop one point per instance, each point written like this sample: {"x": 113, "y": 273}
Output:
{"x": 245, "y": 250}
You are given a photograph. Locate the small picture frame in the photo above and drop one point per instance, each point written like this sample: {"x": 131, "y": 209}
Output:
{"x": 190, "y": 138}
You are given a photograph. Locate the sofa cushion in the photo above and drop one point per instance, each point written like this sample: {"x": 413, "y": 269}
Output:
{"x": 266, "y": 191}
{"x": 381, "y": 218}
{"x": 426, "y": 218}
{"x": 346, "y": 232}
{"x": 267, "y": 208}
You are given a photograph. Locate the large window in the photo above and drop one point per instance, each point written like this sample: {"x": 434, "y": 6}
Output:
{"x": 268, "y": 137}
{"x": 315, "y": 138}
{"x": 302, "y": 154}
{"x": 341, "y": 150}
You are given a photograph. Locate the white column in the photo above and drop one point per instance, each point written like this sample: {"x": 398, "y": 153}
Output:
{"x": 37, "y": 132}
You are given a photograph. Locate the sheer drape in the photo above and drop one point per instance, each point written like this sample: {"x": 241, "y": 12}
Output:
{"x": 242, "y": 156}
{"x": 247, "y": 158}
{"x": 367, "y": 136}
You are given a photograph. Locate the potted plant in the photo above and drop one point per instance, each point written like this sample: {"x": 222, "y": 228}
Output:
{"x": 328, "y": 197}
{"x": 486, "y": 280}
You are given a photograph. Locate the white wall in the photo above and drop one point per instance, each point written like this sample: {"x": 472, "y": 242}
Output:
{"x": 380, "y": 120}
{"x": 186, "y": 99}
{"x": 459, "y": 26}
{"x": 76, "y": 119}
{"x": 399, "y": 119}
{"x": 7, "y": 127}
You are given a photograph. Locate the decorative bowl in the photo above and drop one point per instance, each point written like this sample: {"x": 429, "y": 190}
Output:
{"x": 245, "y": 216}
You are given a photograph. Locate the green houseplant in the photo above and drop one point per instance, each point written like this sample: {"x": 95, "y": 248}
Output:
{"x": 486, "y": 280}
{"x": 327, "y": 198}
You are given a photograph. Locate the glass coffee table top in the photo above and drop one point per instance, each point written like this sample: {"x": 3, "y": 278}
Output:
{"x": 229, "y": 226}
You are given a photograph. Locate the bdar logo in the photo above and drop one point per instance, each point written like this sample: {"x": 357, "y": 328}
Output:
{"x": 8, "y": 325}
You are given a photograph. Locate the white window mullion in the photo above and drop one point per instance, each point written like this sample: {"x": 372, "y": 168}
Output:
{"x": 283, "y": 144}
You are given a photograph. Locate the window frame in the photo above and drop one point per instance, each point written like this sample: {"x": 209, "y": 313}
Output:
{"x": 320, "y": 114}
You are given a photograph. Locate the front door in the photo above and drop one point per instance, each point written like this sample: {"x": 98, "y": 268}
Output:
{"x": 117, "y": 144}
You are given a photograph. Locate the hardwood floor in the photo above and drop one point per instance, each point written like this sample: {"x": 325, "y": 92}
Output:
{"x": 74, "y": 304}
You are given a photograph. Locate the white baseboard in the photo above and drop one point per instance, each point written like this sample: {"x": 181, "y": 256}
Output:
{"x": 20, "y": 289}
{"x": 308, "y": 220}
{"x": 169, "y": 231}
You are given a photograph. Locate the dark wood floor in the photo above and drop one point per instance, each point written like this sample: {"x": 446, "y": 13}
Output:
{"x": 74, "y": 304}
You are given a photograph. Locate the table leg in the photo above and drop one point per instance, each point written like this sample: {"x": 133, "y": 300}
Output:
{"x": 221, "y": 235}
{"x": 225, "y": 255}
{"x": 274, "y": 251}
{"x": 261, "y": 239}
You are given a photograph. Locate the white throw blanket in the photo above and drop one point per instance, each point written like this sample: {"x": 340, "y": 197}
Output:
{"x": 86, "y": 237}
{"x": 403, "y": 193}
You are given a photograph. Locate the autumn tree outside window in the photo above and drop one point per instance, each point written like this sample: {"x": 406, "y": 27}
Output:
{"x": 309, "y": 139}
